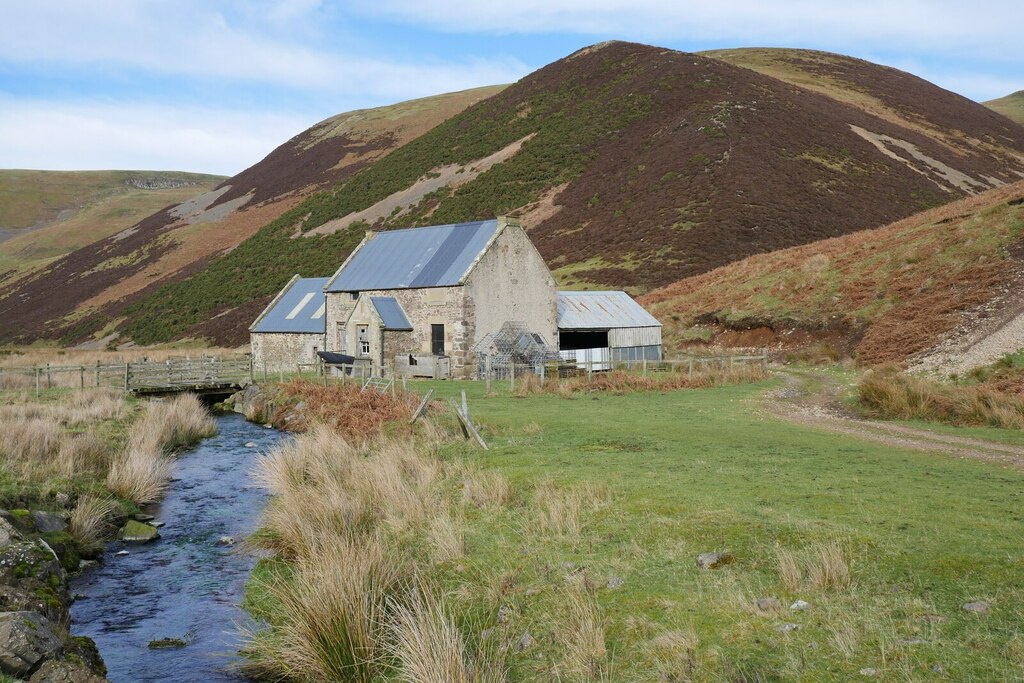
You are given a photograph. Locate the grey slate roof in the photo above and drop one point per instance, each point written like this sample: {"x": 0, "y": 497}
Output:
{"x": 438, "y": 256}
{"x": 390, "y": 311}
{"x": 299, "y": 308}
{"x": 601, "y": 310}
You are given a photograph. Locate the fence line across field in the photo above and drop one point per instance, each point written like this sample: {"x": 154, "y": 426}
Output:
{"x": 213, "y": 371}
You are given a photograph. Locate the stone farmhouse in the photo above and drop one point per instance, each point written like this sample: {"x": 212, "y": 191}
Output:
{"x": 420, "y": 301}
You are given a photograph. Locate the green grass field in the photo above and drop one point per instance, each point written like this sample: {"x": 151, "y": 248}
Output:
{"x": 702, "y": 470}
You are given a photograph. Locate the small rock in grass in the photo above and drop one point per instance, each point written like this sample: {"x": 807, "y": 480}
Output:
{"x": 63, "y": 499}
{"x": 715, "y": 560}
{"x": 869, "y": 672}
{"x": 524, "y": 642}
{"x": 978, "y": 606}
{"x": 786, "y": 628}
{"x": 138, "y": 532}
{"x": 530, "y": 592}
{"x": 250, "y": 444}
{"x": 504, "y": 612}
{"x": 226, "y": 540}
{"x": 935, "y": 618}
{"x": 912, "y": 641}
{"x": 769, "y": 604}
{"x": 615, "y": 582}
{"x": 939, "y": 669}
{"x": 800, "y": 606}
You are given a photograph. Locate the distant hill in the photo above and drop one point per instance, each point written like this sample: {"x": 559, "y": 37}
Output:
{"x": 631, "y": 166}
{"x": 196, "y": 227}
{"x": 1011, "y": 106}
{"x": 886, "y": 294}
{"x": 46, "y": 214}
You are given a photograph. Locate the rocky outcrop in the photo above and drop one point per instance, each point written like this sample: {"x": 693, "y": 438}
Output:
{"x": 36, "y": 553}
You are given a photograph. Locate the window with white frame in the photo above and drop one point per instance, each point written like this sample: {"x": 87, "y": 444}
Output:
{"x": 363, "y": 335}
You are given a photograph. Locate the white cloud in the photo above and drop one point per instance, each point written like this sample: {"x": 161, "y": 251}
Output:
{"x": 92, "y": 135}
{"x": 982, "y": 27}
{"x": 217, "y": 41}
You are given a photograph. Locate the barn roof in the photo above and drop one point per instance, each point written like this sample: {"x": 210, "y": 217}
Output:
{"x": 437, "y": 256}
{"x": 601, "y": 310}
{"x": 298, "y": 308}
{"x": 391, "y": 313}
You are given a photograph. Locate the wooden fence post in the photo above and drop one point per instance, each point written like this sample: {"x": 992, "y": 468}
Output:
{"x": 81, "y": 377}
{"x": 97, "y": 373}
{"x": 49, "y": 377}
{"x": 37, "y": 383}
{"x": 126, "y": 365}
{"x": 689, "y": 370}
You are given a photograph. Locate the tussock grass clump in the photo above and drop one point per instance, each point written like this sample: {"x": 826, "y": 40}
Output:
{"x": 674, "y": 654}
{"x": 30, "y": 439}
{"x": 486, "y": 488}
{"x": 559, "y": 511}
{"x": 888, "y": 393}
{"x": 824, "y": 565}
{"x": 85, "y": 453}
{"x": 429, "y": 648}
{"x": 141, "y": 472}
{"x": 446, "y": 535}
{"x": 582, "y": 638}
{"x": 334, "y": 614}
{"x": 88, "y": 522}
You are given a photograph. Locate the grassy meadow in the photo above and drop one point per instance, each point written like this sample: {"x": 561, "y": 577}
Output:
{"x": 568, "y": 550}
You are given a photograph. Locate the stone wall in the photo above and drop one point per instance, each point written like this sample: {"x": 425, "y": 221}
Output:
{"x": 281, "y": 351}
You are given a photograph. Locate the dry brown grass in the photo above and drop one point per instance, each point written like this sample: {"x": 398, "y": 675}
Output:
{"x": 625, "y": 382}
{"x": 828, "y": 569}
{"x": 558, "y": 511}
{"x": 429, "y": 648}
{"x": 357, "y": 416}
{"x": 88, "y": 523}
{"x": 674, "y": 654}
{"x": 582, "y": 638}
{"x": 888, "y": 393}
{"x": 335, "y": 614}
{"x": 790, "y": 571}
{"x": 446, "y": 537}
{"x": 824, "y": 565}
{"x": 141, "y": 472}
{"x": 486, "y": 488}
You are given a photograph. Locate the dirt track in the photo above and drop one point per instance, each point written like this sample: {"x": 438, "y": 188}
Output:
{"x": 822, "y": 409}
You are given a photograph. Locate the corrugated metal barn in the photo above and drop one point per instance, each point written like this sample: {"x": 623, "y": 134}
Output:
{"x": 291, "y": 329}
{"x": 605, "y": 327}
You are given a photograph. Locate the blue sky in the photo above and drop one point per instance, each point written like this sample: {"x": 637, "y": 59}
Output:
{"x": 213, "y": 86}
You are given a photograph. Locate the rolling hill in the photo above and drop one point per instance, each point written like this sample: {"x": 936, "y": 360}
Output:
{"x": 890, "y": 294}
{"x": 1011, "y": 106}
{"x": 46, "y": 214}
{"x": 183, "y": 236}
{"x": 631, "y": 166}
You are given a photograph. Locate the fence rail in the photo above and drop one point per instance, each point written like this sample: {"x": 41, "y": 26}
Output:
{"x": 174, "y": 374}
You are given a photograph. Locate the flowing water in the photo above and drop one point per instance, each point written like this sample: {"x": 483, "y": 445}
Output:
{"x": 183, "y": 585}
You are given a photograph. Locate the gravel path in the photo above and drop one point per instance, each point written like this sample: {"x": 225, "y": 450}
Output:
{"x": 824, "y": 411}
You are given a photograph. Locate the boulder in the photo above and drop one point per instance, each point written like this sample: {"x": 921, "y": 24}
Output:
{"x": 65, "y": 548}
{"x": 57, "y": 671}
{"x": 26, "y": 639}
{"x": 715, "y": 560}
{"x": 22, "y": 520}
{"x": 47, "y": 522}
{"x": 800, "y": 606}
{"x": 8, "y": 534}
{"x": 615, "y": 582}
{"x": 138, "y": 532}
{"x": 769, "y": 605}
{"x": 63, "y": 500}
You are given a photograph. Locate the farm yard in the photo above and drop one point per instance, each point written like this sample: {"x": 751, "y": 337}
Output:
{"x": 569, "y": 550}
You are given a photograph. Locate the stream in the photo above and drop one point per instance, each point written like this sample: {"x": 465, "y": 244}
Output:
{"x": 183, "y": 585}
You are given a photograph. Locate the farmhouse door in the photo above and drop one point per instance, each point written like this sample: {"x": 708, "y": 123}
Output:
{"x": 437, "y": 340}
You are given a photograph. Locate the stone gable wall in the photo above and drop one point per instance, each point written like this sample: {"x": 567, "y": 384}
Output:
{"x": 281, "y": 351}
